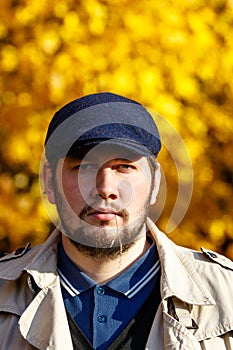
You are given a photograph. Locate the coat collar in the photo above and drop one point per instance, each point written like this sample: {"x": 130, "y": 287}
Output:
{"x": 179, "y": 276}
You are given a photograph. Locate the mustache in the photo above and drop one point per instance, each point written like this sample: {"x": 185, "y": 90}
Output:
{"x": 98, "y": 206}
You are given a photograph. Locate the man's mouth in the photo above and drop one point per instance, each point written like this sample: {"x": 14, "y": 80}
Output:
{"x": 104, "y": 214}
{"x": 101, "y": 213}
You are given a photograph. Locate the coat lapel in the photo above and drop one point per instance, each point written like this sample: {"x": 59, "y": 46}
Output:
{"x": 44, "y": 323}
{"x": 179, "y": 280}
{"x": 178, "y": 275}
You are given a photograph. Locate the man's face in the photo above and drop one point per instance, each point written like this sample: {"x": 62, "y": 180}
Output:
{"x": 103, "y": 197}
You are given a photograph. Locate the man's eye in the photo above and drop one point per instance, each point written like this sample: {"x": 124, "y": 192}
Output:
{"x": 125, "y": 167}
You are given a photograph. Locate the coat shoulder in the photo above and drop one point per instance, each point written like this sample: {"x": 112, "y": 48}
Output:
{"x": 219, "y": 259}
{"x": 18, "y": 253}
{"x": 206, "y": 257}
{"x": 13, "y": 264}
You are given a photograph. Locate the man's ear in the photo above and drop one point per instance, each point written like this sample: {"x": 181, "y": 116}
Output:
{"x": 48, "y": 182}
{"x": 156, "y": 184}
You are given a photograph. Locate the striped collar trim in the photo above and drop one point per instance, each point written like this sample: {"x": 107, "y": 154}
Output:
{"x": 146, "y": 279}
{"x": 129, "y": 293}
{"x": 67, "y": 285}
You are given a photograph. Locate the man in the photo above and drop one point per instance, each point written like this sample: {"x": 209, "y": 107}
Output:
{"x": 107, "y": 278}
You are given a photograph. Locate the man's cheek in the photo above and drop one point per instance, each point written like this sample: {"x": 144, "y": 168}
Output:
{"x": 126, "y": 193}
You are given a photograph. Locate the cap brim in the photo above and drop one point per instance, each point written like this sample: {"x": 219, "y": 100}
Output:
{"x": 130, "y": 145}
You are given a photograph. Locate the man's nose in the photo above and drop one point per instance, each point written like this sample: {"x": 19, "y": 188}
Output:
{"x": 106, "y": 184}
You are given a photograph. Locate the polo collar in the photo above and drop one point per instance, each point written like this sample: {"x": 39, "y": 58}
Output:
{"x": 138, "y": 275}
{"x": 73, "y": 280}
{"x": 130, "y": 283}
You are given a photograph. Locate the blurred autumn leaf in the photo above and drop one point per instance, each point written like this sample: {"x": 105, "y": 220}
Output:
{"x": 174, "y": 57}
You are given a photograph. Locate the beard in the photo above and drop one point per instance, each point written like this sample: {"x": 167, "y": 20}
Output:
{"x": 103, "y": 241}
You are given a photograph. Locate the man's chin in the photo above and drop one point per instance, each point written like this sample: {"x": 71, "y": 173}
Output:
{"x": 109, "y": 253}
{"x": 101, "y": 236}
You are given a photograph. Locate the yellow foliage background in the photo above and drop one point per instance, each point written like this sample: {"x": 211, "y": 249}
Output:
{"x": 175, "y": 57}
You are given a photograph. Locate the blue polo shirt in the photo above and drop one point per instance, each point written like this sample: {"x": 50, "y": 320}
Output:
{"x": 102, "y": 311}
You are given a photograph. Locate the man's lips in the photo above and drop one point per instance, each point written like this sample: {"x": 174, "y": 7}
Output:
{"x": 104, "y": 214}
{"x": 99, "y": 213}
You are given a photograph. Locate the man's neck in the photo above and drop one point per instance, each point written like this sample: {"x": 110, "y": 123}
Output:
{"x": 103, "y": 270}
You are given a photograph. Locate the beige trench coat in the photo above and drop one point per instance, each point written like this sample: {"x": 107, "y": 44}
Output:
{"x": 196, "y": 311}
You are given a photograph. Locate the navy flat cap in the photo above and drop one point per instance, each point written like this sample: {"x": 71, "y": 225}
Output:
{"x": 95, "y": 118}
